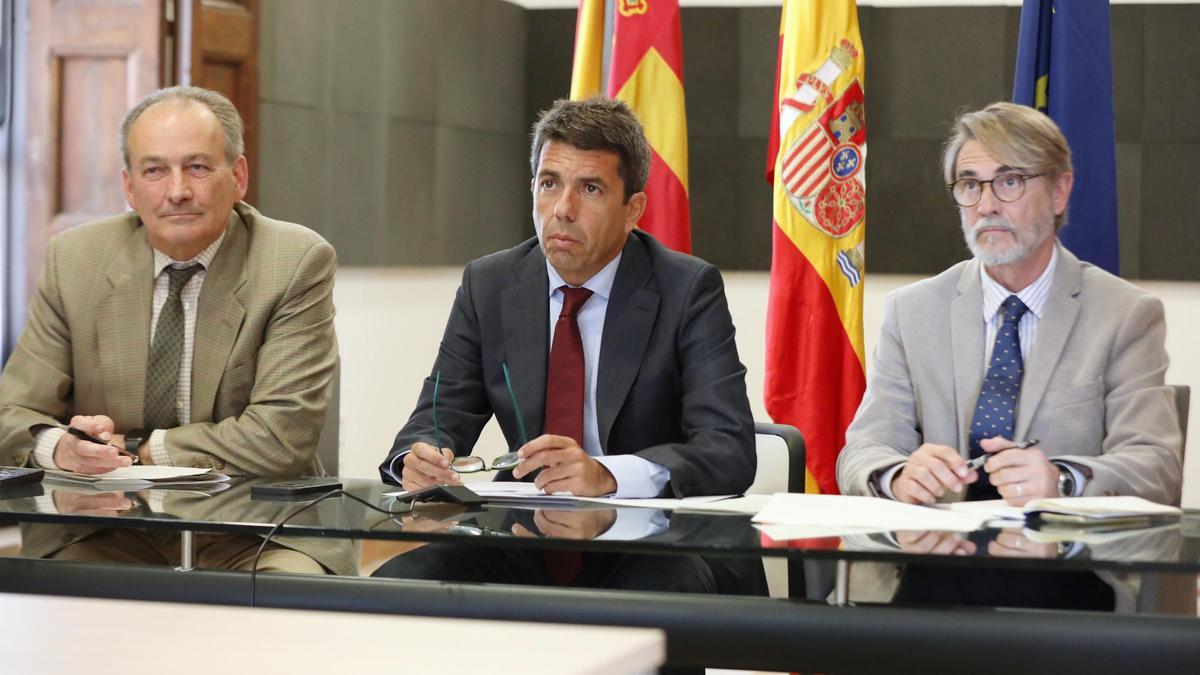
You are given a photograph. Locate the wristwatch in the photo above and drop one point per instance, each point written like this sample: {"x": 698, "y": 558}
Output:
{"x": 1066, "y": 482}
{"x": 134, "y": 438}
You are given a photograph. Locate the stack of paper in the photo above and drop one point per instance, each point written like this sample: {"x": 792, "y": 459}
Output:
{"x": 142, "y": 477}
{"x": 796, "y": 516}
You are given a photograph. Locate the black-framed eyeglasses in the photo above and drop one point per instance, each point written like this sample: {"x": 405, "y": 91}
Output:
{"x": 1008, "y": 187}
{"x": 471, "y": 463}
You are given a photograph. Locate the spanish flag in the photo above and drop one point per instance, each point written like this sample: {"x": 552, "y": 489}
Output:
{"x": 815, "y": 375}
{"x": 646, "y": 71}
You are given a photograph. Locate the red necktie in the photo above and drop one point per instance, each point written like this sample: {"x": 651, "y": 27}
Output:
{"x": 564, "y": 406}
{"x": 564, "y": 377}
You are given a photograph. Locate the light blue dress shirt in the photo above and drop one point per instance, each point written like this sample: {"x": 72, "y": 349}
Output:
{"x": 635, "y": 476}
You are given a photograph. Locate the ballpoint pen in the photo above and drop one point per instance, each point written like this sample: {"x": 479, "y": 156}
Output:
{"x": 976, "y": 463}
{"x": 85, "y": 436}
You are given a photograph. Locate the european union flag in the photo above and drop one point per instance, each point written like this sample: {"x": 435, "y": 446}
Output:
{"x": 1064, "y": 69}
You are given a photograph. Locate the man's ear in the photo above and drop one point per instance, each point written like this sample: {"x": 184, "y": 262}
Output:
{"x": 1062, "y": 191}
{"x": 634, "y": 209}
{"x": 127, "y": 185}
{"x": 241, "y": 176}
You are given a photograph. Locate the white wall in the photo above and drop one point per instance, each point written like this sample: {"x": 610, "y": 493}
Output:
{"x": 390, "y": 321}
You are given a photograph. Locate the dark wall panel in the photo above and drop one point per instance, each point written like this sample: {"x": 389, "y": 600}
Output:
{"x": 400, "y": 130}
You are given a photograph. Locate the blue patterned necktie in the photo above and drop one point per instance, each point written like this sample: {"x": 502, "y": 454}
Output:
{"x": 996, "y": 408}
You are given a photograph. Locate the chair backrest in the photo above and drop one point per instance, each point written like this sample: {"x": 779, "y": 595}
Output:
{"x": 1183, "y": 399}
{"x": 780, "y": 450}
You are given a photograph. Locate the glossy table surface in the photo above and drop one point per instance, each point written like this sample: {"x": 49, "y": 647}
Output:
{"x": 364, "y": 513}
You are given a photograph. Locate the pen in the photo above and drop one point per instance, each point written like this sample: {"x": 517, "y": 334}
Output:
{"x": 977, "y": 463}
{"x": 85, "y": 436}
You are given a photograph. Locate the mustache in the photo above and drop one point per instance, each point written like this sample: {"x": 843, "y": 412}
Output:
{"x": 992, "y": 223}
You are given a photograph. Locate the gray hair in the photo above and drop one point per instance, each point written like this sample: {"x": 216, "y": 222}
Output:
{"x": 226, "y": 114}
{"x": 597, "y": 123}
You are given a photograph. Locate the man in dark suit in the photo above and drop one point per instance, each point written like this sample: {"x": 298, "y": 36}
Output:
{"x": 622, "y": 361}
{"x": 662, "y": 393}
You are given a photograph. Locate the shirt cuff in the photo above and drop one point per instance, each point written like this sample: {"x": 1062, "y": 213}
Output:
{"x": 158, "y": 448}
{"x": 397, "y": 463}
{"x": 886, "y": 477}
{"x": 47, "y": 440}
{"x": 636, "y": 524}
{"x": 637, "y": 478}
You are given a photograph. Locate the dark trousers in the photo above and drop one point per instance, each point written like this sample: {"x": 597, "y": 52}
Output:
{"x": 1033, "y": 589}
{"x": 466, "y": 563}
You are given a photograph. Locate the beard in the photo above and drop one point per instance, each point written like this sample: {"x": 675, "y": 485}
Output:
{"x": 1025, "y": 240}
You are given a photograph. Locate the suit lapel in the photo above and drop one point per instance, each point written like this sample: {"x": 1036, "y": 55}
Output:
{"x": 628, "y": 322}
{"x": 1053, "y": 329}
{"x": 525, "y": 319}
{"x": 124, "y": 335}
{"x": 219, "y": 315}
{"x": 966, "y": 346}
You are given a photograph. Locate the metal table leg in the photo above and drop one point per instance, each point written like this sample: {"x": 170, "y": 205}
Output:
{"x": 187, "y": 551}
{"x": 841, "y": 584}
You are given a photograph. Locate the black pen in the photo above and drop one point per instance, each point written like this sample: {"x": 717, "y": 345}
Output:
{"x": 85, "y": 436}
{"x": 978, "y": 462}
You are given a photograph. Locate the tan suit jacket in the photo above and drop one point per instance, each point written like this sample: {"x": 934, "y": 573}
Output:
{"x": 262, "y": 362}
{"x": 264, "y": 346}
{"x": 1093, "y": 391}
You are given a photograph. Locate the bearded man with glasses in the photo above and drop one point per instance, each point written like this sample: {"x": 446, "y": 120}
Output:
{"x": 1048, "y": 369}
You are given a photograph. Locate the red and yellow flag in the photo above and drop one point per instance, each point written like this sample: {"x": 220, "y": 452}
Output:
{"x": 815, "y": 376}
{"x": 646, "y": 71}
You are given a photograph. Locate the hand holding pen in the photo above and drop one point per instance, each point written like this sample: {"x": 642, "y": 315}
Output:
{"x": 87, "y": 447}
{"x": 976, "y": 463}
{"x": 1019, "y": 471}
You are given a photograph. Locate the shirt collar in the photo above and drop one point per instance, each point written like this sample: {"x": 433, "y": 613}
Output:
{"x": 600, "y": 284}
{"x": 1034, "y": 295}
{"x": 162, "y": 260}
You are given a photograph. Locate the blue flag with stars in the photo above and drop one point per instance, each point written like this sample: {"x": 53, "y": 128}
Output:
{"x": 1064, "y": 69}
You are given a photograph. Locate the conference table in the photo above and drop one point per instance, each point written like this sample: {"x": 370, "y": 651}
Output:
{"x": 813, "y": 626}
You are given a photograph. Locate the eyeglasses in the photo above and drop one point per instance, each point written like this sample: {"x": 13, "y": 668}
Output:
{"x": 1007, "y": 187}
{"x": 470, "y": 463}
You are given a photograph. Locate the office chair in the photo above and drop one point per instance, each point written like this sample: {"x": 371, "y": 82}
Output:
{"x": 1164, "y": 592}
{"x": 780, "y": 452}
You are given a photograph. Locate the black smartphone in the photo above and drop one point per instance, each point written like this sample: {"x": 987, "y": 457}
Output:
{"x": 455, "y": 494}
{"x": 291, "y": 489}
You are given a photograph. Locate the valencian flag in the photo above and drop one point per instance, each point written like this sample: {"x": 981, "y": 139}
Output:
{"x": 1064, "y": 69}
{"x": 646, "y": 71}
{"x": 817, "y": 152}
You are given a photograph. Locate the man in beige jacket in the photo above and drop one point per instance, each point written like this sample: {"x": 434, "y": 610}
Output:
{"x": 192, "y": 331}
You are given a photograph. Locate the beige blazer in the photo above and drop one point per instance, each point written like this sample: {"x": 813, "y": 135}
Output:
{"x": 264, "y": 346}
{"x": 1093, "y": 391}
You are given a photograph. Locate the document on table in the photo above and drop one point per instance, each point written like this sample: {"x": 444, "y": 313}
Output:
{"x": 511, "y": 491}
{"x": 859, "y": 514}
{"x": 142, "y": 477}
{"x": 684, "y": 504}
{"x": 1077, "y": 510}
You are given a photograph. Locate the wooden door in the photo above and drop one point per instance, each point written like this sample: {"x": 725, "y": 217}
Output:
{"x": 218, "y": 49}
{"x": 88, "y": 62}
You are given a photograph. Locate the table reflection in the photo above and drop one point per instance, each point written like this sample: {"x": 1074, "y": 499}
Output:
{"x": 162, "y": 546}
{"x": 563, "y": 567}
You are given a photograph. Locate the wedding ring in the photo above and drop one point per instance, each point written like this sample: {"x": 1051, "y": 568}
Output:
{"x": 1020, "y": 488}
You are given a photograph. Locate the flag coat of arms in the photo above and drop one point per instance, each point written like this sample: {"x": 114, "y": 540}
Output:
{"x": 815, "y": 373}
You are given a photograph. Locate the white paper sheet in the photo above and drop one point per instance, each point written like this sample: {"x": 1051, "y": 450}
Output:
{"x": 840, "y": 511}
